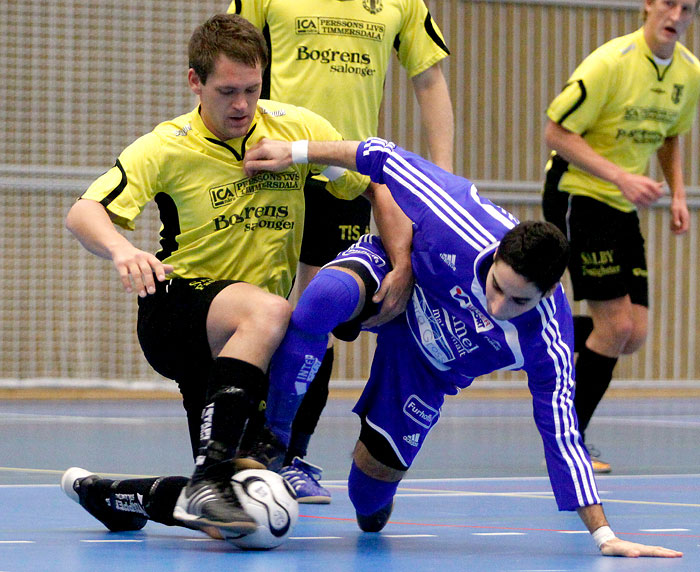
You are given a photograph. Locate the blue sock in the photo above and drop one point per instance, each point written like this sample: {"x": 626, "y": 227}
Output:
{"x": 368, "y": 494}
{"x": 329, "y": 300}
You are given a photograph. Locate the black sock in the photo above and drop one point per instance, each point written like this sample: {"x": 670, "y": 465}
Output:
{"x": 593, "y": 374}
{"x": 583, "y": 326}
{"x": 233, "y": 392}
{"x": 310, "y": 410}
{"x": 153, "y": 498}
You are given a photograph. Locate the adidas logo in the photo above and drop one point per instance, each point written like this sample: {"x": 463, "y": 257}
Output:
{"x": 412, "y": 440}
{"x": 450, "y": 260}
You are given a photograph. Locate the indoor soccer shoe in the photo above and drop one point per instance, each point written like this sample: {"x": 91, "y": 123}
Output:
{"x": 210, "y": 502}
{"x": 599, "y": 466}
{"x": 376, "y": 521}
{"x": 265, "y": 452}
{"x": 78, "y": 484}
{"x": 304, "y": 479}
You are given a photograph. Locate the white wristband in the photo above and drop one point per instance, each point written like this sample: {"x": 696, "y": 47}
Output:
{"x": 602, "y": 535}
{"x": 300, "y": 152}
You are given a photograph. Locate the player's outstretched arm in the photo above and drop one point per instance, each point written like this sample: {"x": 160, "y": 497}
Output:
{"x": 609, "y": 545}
{"x": 273, "y": 155}
{"x": 90, "y": 224}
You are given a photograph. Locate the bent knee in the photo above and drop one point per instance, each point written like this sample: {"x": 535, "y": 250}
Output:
{"x": 370, "y": 466}
{"x": 272, "y": 314}
{"x": 636, "y": 340}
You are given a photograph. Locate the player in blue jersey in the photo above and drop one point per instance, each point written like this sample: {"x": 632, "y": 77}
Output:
{"x": 487, "y": 297}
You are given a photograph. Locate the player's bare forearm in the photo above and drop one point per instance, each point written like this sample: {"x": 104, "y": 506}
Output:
{"x": 90, "y": 223}
{"x": 592, "y": 516}
{"x": 338, "y": 153}
{"x": 396, "y": 231}
{"x": 638, "y": 189}
{"x": 669, "y": 155}
{"x": 273, "y": 155}
{"x": 437, "y": 116}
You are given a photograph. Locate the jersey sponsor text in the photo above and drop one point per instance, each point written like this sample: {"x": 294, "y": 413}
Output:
{"x": 340, "y": 27}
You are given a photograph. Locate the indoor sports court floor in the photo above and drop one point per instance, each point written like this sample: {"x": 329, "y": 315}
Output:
{"x": 478, "y": 497}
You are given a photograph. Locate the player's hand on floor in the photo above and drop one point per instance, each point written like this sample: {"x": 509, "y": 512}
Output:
{"x": 619, "y": 547}
{"x": 394, "y": 294}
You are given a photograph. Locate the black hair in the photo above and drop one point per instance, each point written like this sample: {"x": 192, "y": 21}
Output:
{"x": 536, "y": 250}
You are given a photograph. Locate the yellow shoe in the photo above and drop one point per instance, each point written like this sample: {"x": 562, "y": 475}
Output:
{"x": 599, "y": 466}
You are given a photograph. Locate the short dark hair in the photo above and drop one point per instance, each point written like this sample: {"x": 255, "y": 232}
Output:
{"x": 536, "y": 250}
{"x": 227, "y": 34}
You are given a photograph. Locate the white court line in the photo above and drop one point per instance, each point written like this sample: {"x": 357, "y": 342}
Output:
{"x": 8, "y": 418}
{"x": 573, "y": 532}
{"x": 520, "y": 479}
{"x": 664, "y": 530}
{"x": 523, "y": 494}
{"x": 111, "y": 541}
{"x": 315, "y": 537}
{"x": 25, "y": 486}
{"x": 409, "y": 535}
{"x": 17, "y": 541}
{"x": 498, "y": 534}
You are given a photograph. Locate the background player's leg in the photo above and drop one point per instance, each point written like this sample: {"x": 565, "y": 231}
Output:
{"x": 619, "y": 327}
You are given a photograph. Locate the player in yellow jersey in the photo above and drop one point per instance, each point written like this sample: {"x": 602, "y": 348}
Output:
{"x": 332, "y": 57}
{"x": 632, "y": 97}
{"x": 212, "y": 307}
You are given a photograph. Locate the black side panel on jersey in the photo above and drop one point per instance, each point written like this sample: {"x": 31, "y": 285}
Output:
{"x": 578, "y": 103}
{"x": 554, "y": 175}
{"x": 430, "y": 29}
{"x": 265, "y": 93}
{"x": 171, "y": 225}
{"x": 118, "y": 189}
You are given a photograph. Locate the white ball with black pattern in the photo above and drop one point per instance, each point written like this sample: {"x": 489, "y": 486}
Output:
{"x": 269, "y": 499}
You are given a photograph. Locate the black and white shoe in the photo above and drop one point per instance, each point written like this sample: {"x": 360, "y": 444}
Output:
{"x": 79, "y": 486}
{"x": 211, "y": 501}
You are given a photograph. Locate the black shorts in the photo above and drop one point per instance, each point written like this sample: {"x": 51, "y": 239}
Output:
{"x": 331, "y": 225}
{"x": 607, "y": 247}
{"x": 172, "y": 327}
{"x": 172, "y": 331}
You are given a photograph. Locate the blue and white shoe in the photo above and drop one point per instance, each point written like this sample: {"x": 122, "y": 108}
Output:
{"x": 304, "y": 478}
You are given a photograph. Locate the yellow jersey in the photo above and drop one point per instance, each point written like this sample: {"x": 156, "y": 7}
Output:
{"x": 625, "y": 103}
{"x": 331, "y": 56}
{"x": 216, "y": 221}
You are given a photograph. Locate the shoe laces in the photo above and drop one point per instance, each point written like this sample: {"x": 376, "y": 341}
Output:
{"x": 295, "y": 473}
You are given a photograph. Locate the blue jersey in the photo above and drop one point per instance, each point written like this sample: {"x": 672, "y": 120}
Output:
{"x": 456, "y": 233}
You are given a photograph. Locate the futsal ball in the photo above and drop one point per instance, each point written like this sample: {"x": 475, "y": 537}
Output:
{"x": 269, "y": 499}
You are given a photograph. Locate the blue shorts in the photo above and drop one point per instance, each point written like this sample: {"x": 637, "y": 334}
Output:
{"x": 369, "y": 252}
{"x": 402, "y": 399}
